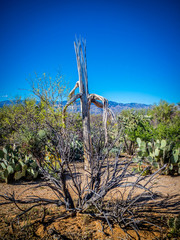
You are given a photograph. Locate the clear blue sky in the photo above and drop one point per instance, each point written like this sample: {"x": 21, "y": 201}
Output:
{"x": 133, "y": 46}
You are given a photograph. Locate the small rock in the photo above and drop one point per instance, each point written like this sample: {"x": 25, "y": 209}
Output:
{"x": 50, "y": 231}
{"x": 57, "y": 237}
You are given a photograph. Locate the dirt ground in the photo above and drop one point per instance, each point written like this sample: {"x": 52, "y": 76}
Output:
{"x": 55, "y": 223}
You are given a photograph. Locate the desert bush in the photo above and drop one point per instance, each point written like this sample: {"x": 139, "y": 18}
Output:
{"x": 21, "y": 121}
{"x": 166, "y": 122}
{"x": 136, "y": 123}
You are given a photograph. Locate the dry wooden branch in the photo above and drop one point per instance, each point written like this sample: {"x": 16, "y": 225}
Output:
{"x": 73, "y": 90}
{"x": 100, "y": 105}
{"x": 73, "y": 99}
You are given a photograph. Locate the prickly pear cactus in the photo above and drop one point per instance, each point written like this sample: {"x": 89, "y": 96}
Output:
{"x": 14, "y": 165}
{"x": 158, "y": 153}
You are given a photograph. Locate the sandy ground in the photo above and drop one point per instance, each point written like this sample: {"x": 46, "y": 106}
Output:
{"x": 74, "y": 227}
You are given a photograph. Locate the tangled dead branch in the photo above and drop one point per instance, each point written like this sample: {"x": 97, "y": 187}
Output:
{"x": 113, "y": 190}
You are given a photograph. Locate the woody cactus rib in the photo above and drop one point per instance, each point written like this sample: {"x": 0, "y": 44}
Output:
{"x": 86, "y": 99}
{"x": 73, "y": 99}
{"x": 73, "y": 90}
{"x": 100, "y": 105}
{"x": 93, "y": 99}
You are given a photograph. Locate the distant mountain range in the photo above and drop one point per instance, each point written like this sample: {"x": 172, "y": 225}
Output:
{"x": 114, "y": 106}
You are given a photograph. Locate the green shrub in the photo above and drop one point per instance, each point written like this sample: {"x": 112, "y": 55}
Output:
{"x": 166, "y": 122}
{"x": 174, "y": 227}
{"x": 136, "y": 123}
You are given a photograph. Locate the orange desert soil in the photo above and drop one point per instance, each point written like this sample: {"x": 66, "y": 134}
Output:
{"x": 81, "y": 226}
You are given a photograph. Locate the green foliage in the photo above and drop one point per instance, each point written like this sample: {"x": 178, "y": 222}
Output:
{"x": 163, "y": 112}
{"x": 21, "y": 121}
{"x": 166, "y": 122}
{"x": 49, "y": 90}
{"x": 77, "y": 149}
{"x": 29, "y": 124}
{"x": 114, "y": 152}
{"x": 174, "y": 227}
{"x": 14, "y": 165}
{"x": 160, "y": 153}
{"x": 164, "y": 145}
{"x": 52, "y": 161}
{"x": 161, "y": 122}
{"x": 24, "y": 124}
{"x": 135, "y": 124}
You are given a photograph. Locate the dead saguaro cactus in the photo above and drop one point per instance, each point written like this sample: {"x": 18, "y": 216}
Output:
{"x": 86, "y": 99}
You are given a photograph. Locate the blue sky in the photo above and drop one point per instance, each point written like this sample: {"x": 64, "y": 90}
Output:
{"x": 133, "y": 46}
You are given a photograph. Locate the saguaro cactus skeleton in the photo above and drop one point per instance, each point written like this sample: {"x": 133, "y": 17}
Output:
{"x": 86, "y": 100}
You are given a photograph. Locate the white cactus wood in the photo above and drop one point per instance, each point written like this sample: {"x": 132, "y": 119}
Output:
{"x": 86, "y": 99}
